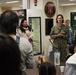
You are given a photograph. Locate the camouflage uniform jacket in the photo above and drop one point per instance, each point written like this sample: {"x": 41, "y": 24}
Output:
{"x": 59, "y": 41}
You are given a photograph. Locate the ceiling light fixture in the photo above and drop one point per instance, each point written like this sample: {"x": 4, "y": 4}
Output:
{"x": 71, "y": 0}
{"x": 12, "y": 2}
{"x": 68, "y": 4}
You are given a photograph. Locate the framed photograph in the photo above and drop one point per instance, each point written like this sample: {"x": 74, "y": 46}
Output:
{"x": 21, "y": 13}
{"x": 48, "y": 26}
{"x": 50, "y": 9}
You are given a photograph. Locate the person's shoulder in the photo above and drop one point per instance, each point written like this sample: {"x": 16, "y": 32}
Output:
{"x": 72, "y": 59}
{"x": 55, "y": 26}
{"x": 64, "y": 25}
{"x": 68, "y": 56}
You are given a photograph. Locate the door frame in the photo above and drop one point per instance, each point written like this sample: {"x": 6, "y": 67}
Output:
{"x": 40, "y": 52}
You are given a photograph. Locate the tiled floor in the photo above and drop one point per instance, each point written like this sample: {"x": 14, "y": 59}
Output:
{"x": 33, "y": 71}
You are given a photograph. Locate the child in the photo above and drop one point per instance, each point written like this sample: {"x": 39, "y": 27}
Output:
{"x": 47, "y": 68}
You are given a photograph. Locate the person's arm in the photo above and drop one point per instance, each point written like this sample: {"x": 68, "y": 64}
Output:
{"x": 26, "y": 55}
{"x": 52, "y": 35}
{"x": 69, "y": 69}
{"x": 30, "y": 57}
{"x": 65, "y": 36}
{"x": 66, "y": 30}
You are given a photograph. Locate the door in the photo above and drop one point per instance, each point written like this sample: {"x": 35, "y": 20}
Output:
{"x": 73, "y": 25}
{"x": 73, "y": 20}
{"x": 35, "y": 24}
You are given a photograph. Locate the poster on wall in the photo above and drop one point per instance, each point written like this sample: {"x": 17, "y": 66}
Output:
{"x": 21, "y": 13}
{"x": 48, "y": 26}
{"x": 50, "y": 9}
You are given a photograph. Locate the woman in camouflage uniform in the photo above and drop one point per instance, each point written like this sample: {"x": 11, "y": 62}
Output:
{"x": 59, "y": 34}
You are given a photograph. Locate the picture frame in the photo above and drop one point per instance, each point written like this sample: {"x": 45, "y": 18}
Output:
{"x": 21, "y": 13}
{"x": 48, "y": 25}
{"x": 50, "y": 9}
{"x": 35, "y": 24}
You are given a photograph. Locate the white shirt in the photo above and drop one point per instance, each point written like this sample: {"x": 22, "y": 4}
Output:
{"x": 70, "y": 68}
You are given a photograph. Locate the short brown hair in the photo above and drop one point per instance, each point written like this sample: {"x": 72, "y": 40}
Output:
{"x": 61, "y": 16}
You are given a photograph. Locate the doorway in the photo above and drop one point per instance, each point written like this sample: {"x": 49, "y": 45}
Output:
{"x": 35, "y": 24}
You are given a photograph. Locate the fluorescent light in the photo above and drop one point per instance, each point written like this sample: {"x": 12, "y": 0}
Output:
{"x": 12, "y": 2}
{"x": 21, "y": 5}
{"x": 68, "y": 4}
{"x": 71, "y": 0}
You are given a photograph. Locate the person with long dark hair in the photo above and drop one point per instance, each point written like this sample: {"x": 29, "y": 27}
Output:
{"x": 47, "y": 68}
{"x": 26, "y": 30}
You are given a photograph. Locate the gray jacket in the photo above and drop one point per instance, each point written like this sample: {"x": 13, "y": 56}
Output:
{"x": 27, "y": 55}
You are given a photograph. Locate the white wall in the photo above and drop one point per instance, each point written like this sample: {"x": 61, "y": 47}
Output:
{"x": 67, "y": 11}
{"x": 61, "y": 9}
{"x": 39, "y": 4}
{"x": 0, "y": 10}
{"x": 16, "y": 8}
{"x": 33, "y": 13}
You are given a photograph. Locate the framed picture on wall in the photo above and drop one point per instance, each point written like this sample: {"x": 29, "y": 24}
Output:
{"x": 50, "y": 9}
{"x": 35, "y": 24}
{"x": 48, "y": 26}
{"x": 21, "y": 13}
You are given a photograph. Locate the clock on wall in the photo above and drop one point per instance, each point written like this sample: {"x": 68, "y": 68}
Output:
{"x": 49, "y": 9}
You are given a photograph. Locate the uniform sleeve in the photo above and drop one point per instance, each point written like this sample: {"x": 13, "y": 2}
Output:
{"x": 52, "y": 35}
{"x": 65, "y": 36}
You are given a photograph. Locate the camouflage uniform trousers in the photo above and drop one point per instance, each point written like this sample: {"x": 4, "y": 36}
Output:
{"x": 63, "y": 54}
